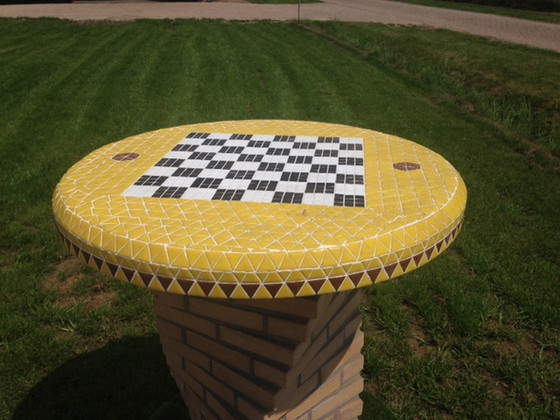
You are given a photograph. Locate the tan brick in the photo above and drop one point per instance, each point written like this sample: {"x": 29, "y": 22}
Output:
{"x": 181, "y": 379}
{"x": 186, "y": 320}
{"x": 195, "y": 385}
{"x": 174, "y": 359}
{"x": 353, "y": 326}
{"x": 169, "y": 299}
{"x": 262, "y": 395}
{"x": 333, "y": 349}
{"x": 219, "y": 352}
{"x": 348, "y": 312}
{"x": 301, "y": 307}
{"x": 351, "y": 410}
{"x": 305, "y": 389}
{"x": 353, "y": 349}
{"x": 327, "y": 313}
{"x": 307, "y": 351}
{"x": 194, "y": 404}
{"x": 175, "y": 364}
{"x": 325, "y": 301}
{"x": 222, "y": 411}
{"x": 198, "y": 408}
{"x": 251, "y": 411}
{"x": 226, "y": 314}
{"x": 344, "y": 394}
{"x": 171, "y": 346}
{"x": 328, "y": 388}
{"x": 285, "y": 328}
{"x": 248, "y": 409}
{"x": 169, "y": 329}
{"x": 208, "y": 381}
{"x": 256, "y": 345}
{"x": 184, "y": 397}
{"x": 270, "y": 373}
{"x": 352, "y": 368}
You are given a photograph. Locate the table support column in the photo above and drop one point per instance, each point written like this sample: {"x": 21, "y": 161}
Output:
{"x": 278, "y": 359}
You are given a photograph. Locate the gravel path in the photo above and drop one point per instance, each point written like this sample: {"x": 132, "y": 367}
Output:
{"x": 519, "y": 31}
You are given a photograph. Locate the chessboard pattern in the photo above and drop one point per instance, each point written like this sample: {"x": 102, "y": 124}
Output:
{"x": 326, "y": 171}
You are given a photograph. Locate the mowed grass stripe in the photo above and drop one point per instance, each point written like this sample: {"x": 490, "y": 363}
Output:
{"x": 47, "y": 73}
{"x": 315, "y": 75}
{"x": 168, "y": 96}
{"x": 62, "y": 96}
{"x": 277, "y": 94}
{"x": 116, "y": 87}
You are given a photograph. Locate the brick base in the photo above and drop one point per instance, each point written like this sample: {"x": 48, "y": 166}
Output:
{"x": 283, "y": 359}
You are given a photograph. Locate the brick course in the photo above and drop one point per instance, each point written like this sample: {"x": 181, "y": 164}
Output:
{"x": 283, "y": 359}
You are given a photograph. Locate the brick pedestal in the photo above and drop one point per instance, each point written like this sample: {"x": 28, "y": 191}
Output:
{"x": 272, "y": 359}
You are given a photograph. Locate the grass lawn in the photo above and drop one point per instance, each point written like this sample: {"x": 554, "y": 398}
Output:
{"x": 506, "y": 11}
{"x": 474, "y": 334}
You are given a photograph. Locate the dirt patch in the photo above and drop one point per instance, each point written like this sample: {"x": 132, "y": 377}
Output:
{"x": 99, "y": 297}
{"x": 418, "y": 339}
{"x": 8, "y": 258}
{"x": 419, "y": 342}
{"x": 64, "y": 279}
{"x": 524, "y": 346}
{"x": 65, "y": 276}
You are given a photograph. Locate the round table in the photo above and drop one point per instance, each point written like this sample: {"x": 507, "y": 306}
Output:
{"x": 256, "y": 237}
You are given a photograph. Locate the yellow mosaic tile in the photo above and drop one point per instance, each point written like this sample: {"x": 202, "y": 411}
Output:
{"x": 259, "y": 209}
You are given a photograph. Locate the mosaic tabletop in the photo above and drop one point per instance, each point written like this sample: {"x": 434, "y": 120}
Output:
{"x": 259, "y": 209}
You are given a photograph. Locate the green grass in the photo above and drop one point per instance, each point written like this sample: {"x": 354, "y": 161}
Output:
{"x": 479, "y": 8}
{"x": 474, "y": 334}
{"x": 515, "y": 87}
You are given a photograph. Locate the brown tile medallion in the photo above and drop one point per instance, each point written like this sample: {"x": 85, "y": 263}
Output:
{"x": 126, "y": 156}
{"x": 406, "y": 166}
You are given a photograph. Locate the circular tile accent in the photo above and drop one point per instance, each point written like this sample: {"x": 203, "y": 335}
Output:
{"x": 406, "y": 166}
{"x": 126, "y": 156}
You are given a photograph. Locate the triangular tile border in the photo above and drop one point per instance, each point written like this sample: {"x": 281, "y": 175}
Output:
{"x": 273, "y": 289}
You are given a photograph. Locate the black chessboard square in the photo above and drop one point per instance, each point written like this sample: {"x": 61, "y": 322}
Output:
{"x": 187, "y": 172}
{"x": 169, "y": 192}
{"x": 320, "y": 187}
{"x": 263, "y": 185}
{"x": 214, "y": 142}
{"x": 228, "y": 195}
{"x": 212, "y": 183}
{"x": 295, "y": 176}
{"x": 150, "y": 180}
{"x": 349, "y": 200}
{"x": 185, "y": 147}
{"x": 287, "y": 197}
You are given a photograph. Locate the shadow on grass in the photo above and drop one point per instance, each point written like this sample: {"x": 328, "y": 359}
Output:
{"x": 126, "y": 379}
{"x": 375, "y": 408}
